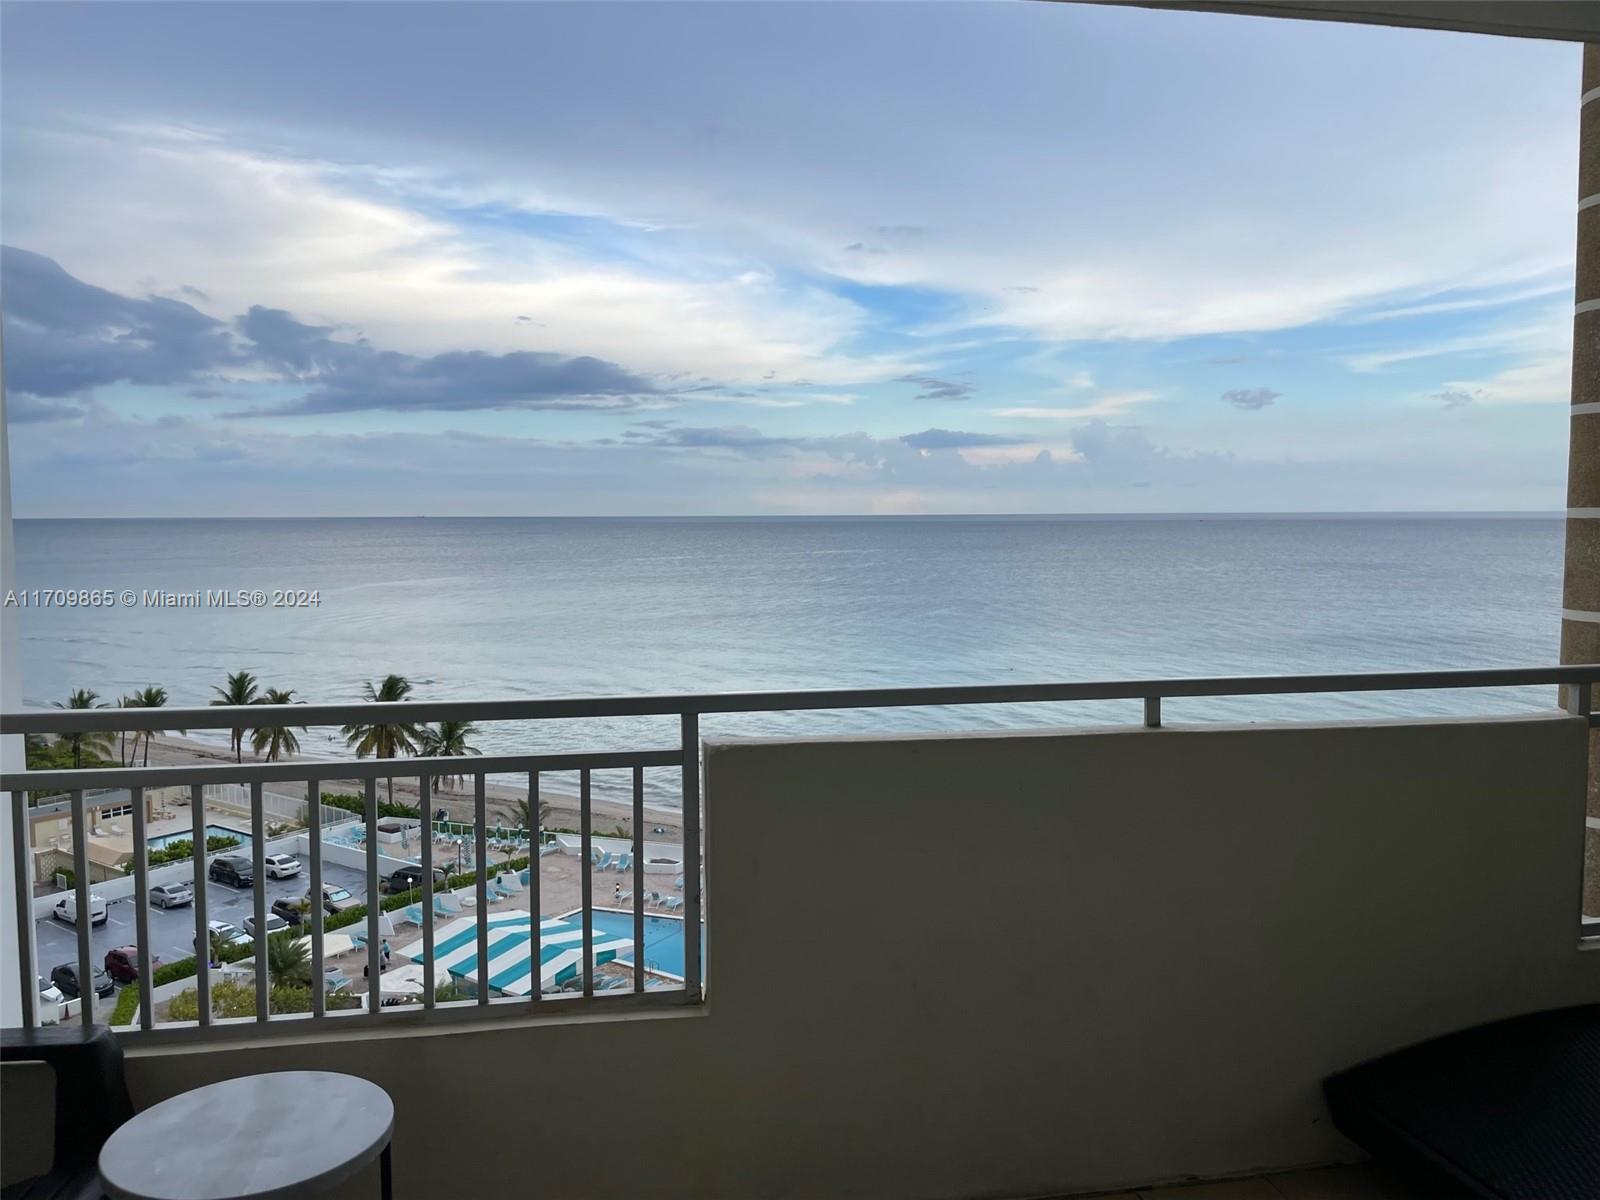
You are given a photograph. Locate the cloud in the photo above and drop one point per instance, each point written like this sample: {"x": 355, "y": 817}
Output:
{"x": 938, "y": 389}
{"x": 1110, "y": 405}
{"x": 950, "y": 439}
{"x": 355, "y": 377}
{"x": 65, "y": 337}
{"x": 414, "y": 264}
{"x": 1453, "y": 398}
{"x": 1251, "y": 398}
{"x": 25, "y": 408}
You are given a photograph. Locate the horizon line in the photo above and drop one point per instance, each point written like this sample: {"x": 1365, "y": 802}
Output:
{"x": 1287, "y": 514}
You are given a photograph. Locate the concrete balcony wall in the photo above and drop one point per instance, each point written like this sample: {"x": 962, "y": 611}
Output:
{"x": 1141, "y": 972}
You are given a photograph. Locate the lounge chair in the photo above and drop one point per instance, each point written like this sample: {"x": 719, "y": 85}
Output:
{"x": 512, "y": 884}
{"x": 446, "y": 904}
{"x": 547, "y": 851}
{"x": 524, "y": 877}
{"x": 625, "y": 898}
{"x": 678, "y": 883}
{"x": 412, "y": 914}
{"x": 674, "y": 903}
{"x": 624, "y": 862}
{"x": 605, "y": 861}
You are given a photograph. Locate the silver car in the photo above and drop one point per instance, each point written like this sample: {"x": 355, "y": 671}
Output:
{"x": 171, "y": 895}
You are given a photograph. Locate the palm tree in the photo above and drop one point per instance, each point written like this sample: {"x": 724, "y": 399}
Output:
{"x": 150, "y": 697}
{"x": 379, "y": 740}
{"x": 278, "y": 741}
{"x": 288, "y": 960}
{"x": 241, "y": 690}
{"x": 524, "y": 815}
{"x": 98, "y": 742}
{"x": 447, "y": 740}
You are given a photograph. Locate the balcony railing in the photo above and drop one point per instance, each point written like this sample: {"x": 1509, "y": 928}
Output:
{"x": 643, "y": 986}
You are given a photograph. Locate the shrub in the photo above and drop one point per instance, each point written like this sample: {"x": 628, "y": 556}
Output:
{"x": 127, "y": 1001}
{"x": 178, "y": 851}
{"x": 233, "y": 998}
{"x": 183, "y": 968}
{"x": 358, "y": 805}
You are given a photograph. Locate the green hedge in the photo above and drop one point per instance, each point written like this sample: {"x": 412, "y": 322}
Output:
{"x": 230, "y": 998}
{"x": 127, "y": 1001}
{"x": 178, "y": 851}
{"x": 358, "y": 805}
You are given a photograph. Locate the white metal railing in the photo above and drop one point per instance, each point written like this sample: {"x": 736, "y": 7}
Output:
{"x": 684, "y": 758}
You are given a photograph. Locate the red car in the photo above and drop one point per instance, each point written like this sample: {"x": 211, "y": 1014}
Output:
{"x": 122, "y": 964}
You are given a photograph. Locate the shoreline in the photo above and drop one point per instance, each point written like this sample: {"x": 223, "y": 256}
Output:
{"x": 168, "y": 750}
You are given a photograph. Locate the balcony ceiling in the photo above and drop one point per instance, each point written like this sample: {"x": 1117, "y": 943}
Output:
{"x": 1563, "y": 20}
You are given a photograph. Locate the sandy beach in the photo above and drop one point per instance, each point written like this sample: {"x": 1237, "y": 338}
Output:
{"x": 170, "y": 751}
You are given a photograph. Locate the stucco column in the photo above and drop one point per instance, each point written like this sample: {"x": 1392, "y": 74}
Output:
{"x": 1580, "y": 617}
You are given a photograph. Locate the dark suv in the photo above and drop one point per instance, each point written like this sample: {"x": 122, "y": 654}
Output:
{"x": 233, "y": 870}
{"x": 291, "y": 910}
{"x": 407, "y": 878}
{"x": 65, "y": 977}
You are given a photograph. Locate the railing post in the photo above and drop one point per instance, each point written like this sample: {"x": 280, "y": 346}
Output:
{"x": 374, "y": 908}
{"x": 22, "y": 858}
{"x": 319, "y": 980}
{"x": 425, "y": 798}
{"x": 535, "y": 845}
{"x": 690, "y": 738}
{"x": 480, "y": 846}
{"x": 638, "y": 879}
{"x": 1152, "y": 712}
{"x": 586, "y": 833}
{"x": 258, "y": 861}
{"x": 202, "y": 926}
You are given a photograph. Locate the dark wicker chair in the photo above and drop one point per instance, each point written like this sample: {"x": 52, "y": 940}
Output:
{"x": 91, "y": 1103}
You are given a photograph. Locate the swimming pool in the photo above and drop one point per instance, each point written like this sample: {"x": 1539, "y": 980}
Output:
{"x": 663, "y": 939}
{"x": 166, "y": 839}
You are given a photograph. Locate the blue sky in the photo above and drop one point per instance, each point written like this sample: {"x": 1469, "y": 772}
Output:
{"x": 779, "y": 258}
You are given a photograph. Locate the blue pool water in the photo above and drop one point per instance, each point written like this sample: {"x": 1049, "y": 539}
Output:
{"x": 663, "y": 939}
{"x": 166, "y": 839}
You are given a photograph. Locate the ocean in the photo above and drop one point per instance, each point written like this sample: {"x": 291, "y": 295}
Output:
{"x": 501, "y": 608}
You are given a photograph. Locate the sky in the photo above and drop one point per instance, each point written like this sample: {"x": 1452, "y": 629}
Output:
{"x": 770, "y": 258}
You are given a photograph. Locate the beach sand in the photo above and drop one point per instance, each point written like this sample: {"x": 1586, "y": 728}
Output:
{"x": 169, "y": 751}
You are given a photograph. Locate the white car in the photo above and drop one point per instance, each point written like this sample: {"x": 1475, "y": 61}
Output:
{"x": 227, "y": 932}
{"x": 281, "y": 866}
{"x": 275, "y": 923}
{"x": 67, "y": 909}
{"x": 50, "y": 1002}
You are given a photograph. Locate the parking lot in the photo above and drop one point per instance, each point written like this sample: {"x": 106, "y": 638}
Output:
{"x": 172, "y": 930}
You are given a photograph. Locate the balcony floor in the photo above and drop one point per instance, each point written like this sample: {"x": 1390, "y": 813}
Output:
{"x": 1363, "y": 1181}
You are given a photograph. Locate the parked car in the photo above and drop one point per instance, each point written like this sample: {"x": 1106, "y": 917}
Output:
{"x": 225, "y": 930}
{"x": 172, "y": 895}
{"x": 407, "y": 878}
{"x": 122, "y": 964}
{"x": 336, "y": 899}
{"x": 65, "y": 977}
{"x": 290, "y": 910}
{"x": 275, "y": 924}
{"x": 281, "y": 866}
{"x": 67, "y": 910}
{"x": 50, "y": 1001}
{"x": 232, "y": 869}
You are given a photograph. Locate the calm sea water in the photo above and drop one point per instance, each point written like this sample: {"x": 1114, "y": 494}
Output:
{"x": 499, "y": 608}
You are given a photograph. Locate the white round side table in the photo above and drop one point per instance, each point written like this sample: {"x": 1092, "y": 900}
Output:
{"x": 284, "y": 1134}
